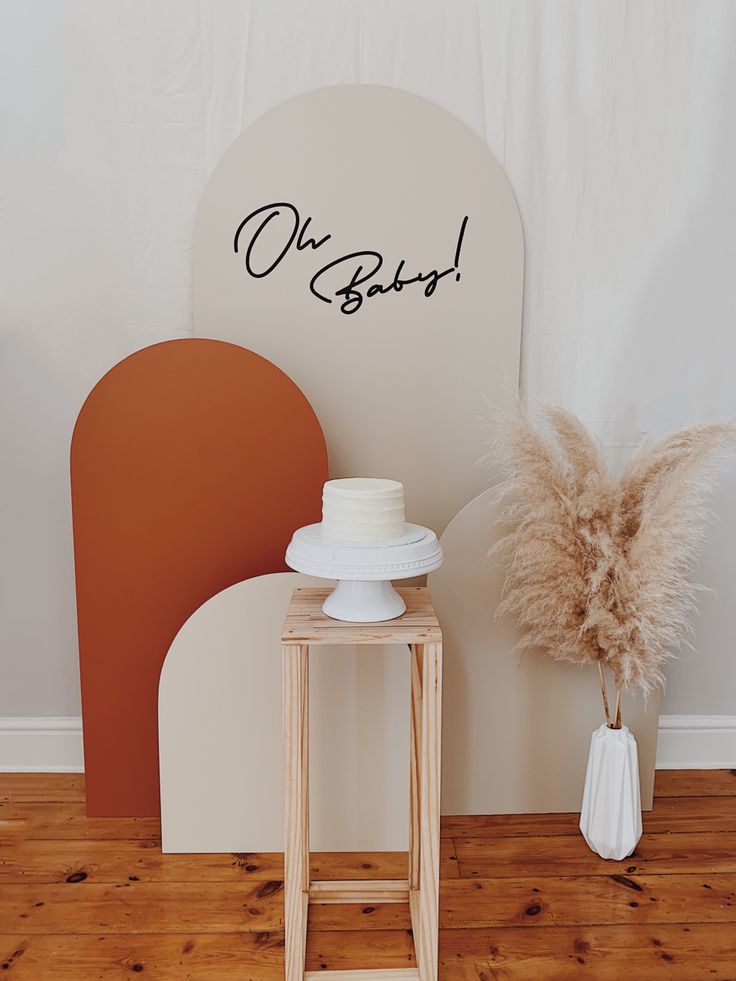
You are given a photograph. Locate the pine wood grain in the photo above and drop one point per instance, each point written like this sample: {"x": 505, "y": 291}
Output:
{"x": 589, "y": 900}
{"x": 637, "y": 953}
{"x": 424, "y": 821}
{"x": 381, "y": 948}
{"x": 142, "y": 907}
{"x": 192, "y": 957}
{"x": 42, "y": 786}
{"x": 365, "y": 917}
{"x": 622, "y": 953}
{"x": 197, "y": 917}
{"x": 306, "y": 623}
{"x": 306, "y": 626}
{"x": 54, "y": 860}
{"x": 183, "y": 957}
{"x": 364, "y": 891}
{"x": 569, "y": 855}
{"x": 545, "y": 901}
{"x": 48, "y": 819}
{"x": 695, "y": 783}
{"x": 671, "y": 815}
{"x": 295, "y": 679}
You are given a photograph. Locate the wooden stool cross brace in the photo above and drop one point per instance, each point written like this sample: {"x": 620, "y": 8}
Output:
{"x": 307, "y": 626}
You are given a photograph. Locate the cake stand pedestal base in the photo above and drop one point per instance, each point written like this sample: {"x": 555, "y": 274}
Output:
{"x": 357, "y": 601}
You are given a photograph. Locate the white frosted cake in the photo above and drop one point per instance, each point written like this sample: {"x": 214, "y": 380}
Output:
{"x": 362, "y": 509}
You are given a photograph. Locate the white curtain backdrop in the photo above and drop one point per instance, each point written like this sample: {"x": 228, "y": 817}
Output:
{"x": 614, "y": 121}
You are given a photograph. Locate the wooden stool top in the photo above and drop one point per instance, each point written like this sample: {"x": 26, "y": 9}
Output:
{"x": 306, "y": 623}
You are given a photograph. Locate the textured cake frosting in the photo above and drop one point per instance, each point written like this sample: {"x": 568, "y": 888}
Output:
{"x": 362, "y": 509}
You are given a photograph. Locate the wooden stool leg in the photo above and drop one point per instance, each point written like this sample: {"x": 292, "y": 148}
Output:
{"x": 296, "y": 806}
{"x": 424, "y": 824}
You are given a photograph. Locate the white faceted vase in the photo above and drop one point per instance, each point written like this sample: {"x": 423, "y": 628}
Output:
{"x": 610, "y": 819}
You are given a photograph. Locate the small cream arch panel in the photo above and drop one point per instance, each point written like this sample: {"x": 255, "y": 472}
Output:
{"x": 369, "y": 244}
{"x": 220, "y": 732}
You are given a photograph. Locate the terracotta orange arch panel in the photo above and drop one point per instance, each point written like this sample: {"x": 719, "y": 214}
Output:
{"x": 192, "y": 463}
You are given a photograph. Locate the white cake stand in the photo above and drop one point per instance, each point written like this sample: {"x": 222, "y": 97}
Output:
{"x": 364, "y": 570}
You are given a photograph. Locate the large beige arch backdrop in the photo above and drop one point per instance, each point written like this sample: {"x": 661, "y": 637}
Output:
{"x": 364, "y": 188}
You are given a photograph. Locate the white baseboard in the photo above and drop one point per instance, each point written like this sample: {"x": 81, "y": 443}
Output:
{"x": 686, "y": 742}
{"x": 49, "y": 745}
{"x": 696, "y": 742}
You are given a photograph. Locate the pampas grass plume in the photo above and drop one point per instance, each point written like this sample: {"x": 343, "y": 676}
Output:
{"x": 598, "y": 567}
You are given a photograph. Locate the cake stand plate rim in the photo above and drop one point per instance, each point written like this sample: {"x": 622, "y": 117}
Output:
{"x": 385, "y": 562}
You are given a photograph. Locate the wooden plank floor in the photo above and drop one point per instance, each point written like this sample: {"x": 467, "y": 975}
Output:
{"x": 521, "y": 898}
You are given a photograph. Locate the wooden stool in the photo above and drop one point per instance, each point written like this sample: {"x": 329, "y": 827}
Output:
{"x": 307, "y": 626}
